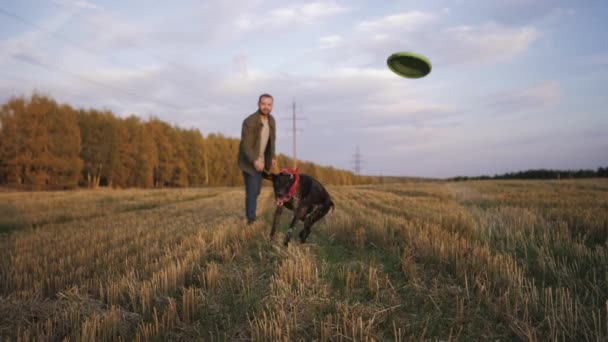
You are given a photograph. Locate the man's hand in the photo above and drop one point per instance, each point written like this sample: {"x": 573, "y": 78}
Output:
{"x": 258, "y": 165}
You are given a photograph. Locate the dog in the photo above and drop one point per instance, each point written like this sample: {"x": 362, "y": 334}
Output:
{"x": 302, "y": 194}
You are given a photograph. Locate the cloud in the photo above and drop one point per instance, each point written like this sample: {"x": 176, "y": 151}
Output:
{"x": 189, "y": 28}
{"x": 79, "y": 4}
{"x": 306, "y": 12}
{"x": 518, "y": 12}
{"x": 519, "y": 141}
{"x": 327, "y": 42}
{"x": 241, "y": 65}
{"x": 244, "y": 23}
{"x": 347, "y": 104}
{"x": 353, "y": 73}
{"x": 428, "y": 33}
{"x": 299, "y": 14}
{"x": 110, "y": 32}
{"x": 489, "y": 43}
{"x": 114, "y": 75}
{"x": 595, "y": 133}
{"x": 542, "y": 95}
{"x": 30, "y": 40}
{"x": 594, "y": 60}
{"x": 212, "y": 71}
{"x": 405, "y": 21}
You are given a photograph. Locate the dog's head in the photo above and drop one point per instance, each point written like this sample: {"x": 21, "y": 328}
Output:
{"x": 281, "y": 182}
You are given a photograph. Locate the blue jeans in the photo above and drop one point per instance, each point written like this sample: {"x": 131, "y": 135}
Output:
{"x": 253, "y": 185}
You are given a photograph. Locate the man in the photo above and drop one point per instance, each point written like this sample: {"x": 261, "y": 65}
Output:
{"x": 257, "y": 152}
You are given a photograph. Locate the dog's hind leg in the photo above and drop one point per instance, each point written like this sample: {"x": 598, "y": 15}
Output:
{"x": 313, "y": 217}
{"x": 291, "y": 227}
{"x": 298, "y": 214}
{"x": 275, "y": 220}
{"x": 305, "y": 232}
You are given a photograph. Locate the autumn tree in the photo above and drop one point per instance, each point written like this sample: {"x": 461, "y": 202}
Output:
{"x": 10, "y": 170}
{"x": 194, "y": 143}
{"x": 99, "y": 151}
{"x": 162, "y": 171}
{"x": 40, "y": 143}
{"x": 144, "y": 154}
{"x": 64, "y": 147}
{"x": 46, "y": 145}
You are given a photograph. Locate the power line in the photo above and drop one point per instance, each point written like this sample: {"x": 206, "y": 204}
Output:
{"x": 93, "y": 52}
{"x": 77, "y": 45}
{"x": 33, "y": 61}
{"x": 172, "y": 63}
{"x": 42, "y": 90}
{"x": 152, "y": 54}
{"x": 52, "y": 33}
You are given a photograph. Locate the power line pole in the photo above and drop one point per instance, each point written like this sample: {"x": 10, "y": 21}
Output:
{"x": 206, "y": 168}
{"x": 357, "y": 161}
{"x": 293, "y": 120}
{"x": 294, "y": 129}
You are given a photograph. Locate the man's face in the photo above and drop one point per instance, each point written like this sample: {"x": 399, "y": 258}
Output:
{"x": 265, "y": 105}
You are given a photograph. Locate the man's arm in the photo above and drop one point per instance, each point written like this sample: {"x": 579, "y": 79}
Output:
{"x": 248, "y": 140}
{"x": 274, "y": 139}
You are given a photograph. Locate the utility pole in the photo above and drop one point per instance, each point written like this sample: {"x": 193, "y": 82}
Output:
{"x": 293, "y": 120}
{"x": 206, "y": 168}
{"x": 294, "y": 129}
{"x": 357, "y": 161}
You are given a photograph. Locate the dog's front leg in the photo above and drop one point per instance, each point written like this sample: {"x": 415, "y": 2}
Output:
{"x": 275, "y": 220}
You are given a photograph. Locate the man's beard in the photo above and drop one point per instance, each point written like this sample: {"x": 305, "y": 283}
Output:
{"x": 261, "y": 111}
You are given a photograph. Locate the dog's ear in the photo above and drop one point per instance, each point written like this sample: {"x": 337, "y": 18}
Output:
{"x": 267, "y": 175}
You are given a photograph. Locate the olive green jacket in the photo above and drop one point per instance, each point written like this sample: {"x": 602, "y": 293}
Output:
{"x": 249, "y": 147}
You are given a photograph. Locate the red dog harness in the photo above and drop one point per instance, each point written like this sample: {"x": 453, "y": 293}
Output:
{"x": 294, "y": 186}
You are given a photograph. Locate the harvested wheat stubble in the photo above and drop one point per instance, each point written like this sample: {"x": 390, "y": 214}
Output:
{"x": 488, "y": 260}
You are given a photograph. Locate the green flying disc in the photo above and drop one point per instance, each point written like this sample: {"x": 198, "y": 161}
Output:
{"x": 409, "y": 64}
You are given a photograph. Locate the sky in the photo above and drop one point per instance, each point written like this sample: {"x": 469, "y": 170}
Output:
{"x": 515, "y": 84}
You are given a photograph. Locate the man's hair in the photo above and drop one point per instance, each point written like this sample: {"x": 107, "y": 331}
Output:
{"x": 264, "y": 95}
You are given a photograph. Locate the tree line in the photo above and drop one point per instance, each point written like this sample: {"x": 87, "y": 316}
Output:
{"x": 45, "y": 145}
{"x": 542, "y": 174}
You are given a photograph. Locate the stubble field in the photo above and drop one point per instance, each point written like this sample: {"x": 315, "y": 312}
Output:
{"x": 486, "y": 260}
